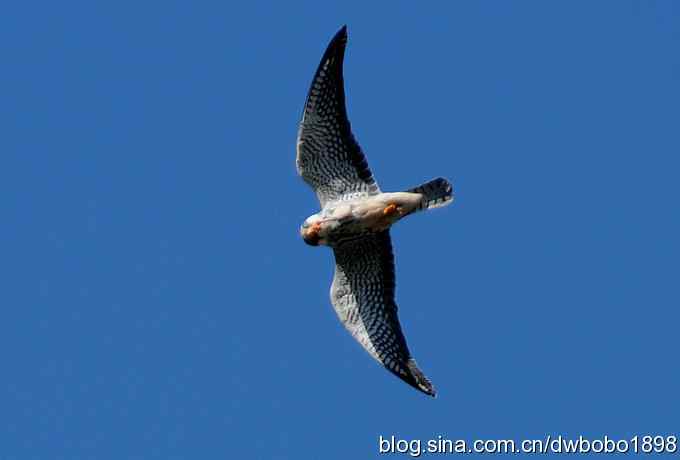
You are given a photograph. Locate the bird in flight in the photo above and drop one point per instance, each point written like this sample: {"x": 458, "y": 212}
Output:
{"x": 355, "y": 219}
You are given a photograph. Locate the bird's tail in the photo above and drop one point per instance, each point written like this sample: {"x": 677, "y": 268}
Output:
{"x": 436, "y": 193}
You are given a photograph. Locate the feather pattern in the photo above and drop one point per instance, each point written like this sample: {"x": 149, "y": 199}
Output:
{"x": 329, "y": 159}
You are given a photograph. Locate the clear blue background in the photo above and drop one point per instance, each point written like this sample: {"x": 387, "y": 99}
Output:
{"x": 157, "y": 301}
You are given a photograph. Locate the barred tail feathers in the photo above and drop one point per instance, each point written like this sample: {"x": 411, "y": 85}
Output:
{"x": 436, "y": 193}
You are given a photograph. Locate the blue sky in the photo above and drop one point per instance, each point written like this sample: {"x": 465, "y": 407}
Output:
{"x": 157, "y": 299}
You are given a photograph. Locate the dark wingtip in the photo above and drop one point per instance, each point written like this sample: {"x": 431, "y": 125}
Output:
{"x": 340, "y": 36}
{"x": 332, "y": 59}
{"x": 411, "y": 374}
{"x": 421, "y": 382}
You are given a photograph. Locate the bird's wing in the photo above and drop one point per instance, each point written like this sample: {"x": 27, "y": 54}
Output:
{"x": 329, "y": 159}
{"x": 363, "y": 297}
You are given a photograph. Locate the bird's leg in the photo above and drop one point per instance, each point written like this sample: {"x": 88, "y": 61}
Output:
{"x": 390, "y": 209}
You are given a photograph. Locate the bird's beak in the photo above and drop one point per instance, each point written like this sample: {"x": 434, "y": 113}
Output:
{"x": 311, "y": 234}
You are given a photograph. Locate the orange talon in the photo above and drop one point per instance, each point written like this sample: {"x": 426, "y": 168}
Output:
{"x": 389, "y": 210}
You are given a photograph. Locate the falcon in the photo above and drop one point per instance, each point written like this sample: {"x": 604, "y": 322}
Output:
{"x": 355, "y": 219}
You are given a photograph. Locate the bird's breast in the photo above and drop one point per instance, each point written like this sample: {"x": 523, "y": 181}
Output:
{"x": 352, "y": 219}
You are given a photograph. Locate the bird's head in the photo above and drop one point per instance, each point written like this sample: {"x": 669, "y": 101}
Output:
{"x": 310, "y": 231}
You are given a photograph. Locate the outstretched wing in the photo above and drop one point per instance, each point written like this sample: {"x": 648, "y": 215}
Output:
{"x": 363, "y": 296}
{"x": 328, "y": 157}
